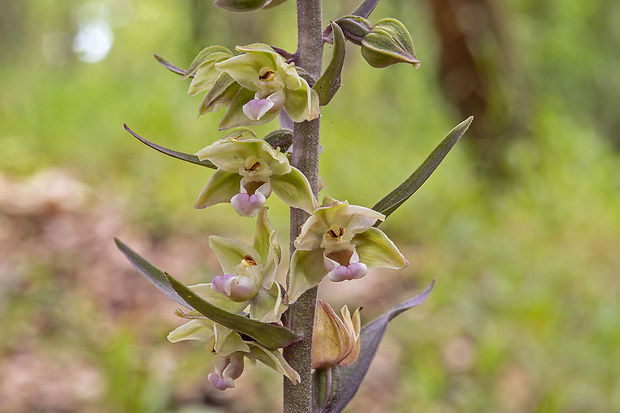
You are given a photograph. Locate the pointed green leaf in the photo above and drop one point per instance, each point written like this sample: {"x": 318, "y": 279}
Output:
{"x": 398, "y": 196}
{"x": 170, "y": 66}
{"x": 153, "y": 274}
{"x": 328, "y": 84}
{"x": 269, "y": 335}
{"x": 175, "y": 154}
{"x": 346, "y": 380}
{"x": 266, "y": 244}
{"x": 365, "y": 8}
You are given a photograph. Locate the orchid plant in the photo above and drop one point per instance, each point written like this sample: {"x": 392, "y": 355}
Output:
{"x": 245, "y": 314}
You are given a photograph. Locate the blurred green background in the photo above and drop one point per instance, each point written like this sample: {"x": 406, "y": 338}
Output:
{"x": 520, "y": 224}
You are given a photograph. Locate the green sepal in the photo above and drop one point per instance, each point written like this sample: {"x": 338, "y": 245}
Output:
{"x": 303, "y": 103}
{"x": 230, "y": 253}
{"x": 228, "y": 342}
{"x": 273, "y": 359}
{"x": 271, "y": 336}
{"x": 329, "y": 82}
{"x": 375, "y": 249}
{"x": 221, "y": 94}
{"x": 266, "y": 244}
{"x": 345, "y": 381}
{"x": 206, "y": 55}
{"x": 221, "y": 188}
{"x": 175, "y": 154}
{"x": 267, "y": 305}
{"x": 200, "y": 329}
{"x": 306, "y": 271}
{"x": 294, "y": 189}
{"x": 398, "y": 196}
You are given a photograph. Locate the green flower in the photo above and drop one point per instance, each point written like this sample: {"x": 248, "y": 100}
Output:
{"x": 249, "y": 169}
{"x": 231, "y": 350}
{"x": 247, "y": 286}
{"x": 339, "y": 240}
{"x": 255, "y": 86}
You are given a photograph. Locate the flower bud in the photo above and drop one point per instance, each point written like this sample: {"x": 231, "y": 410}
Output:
{"x": 355, "y": 28}
{"x": 387, "y": 43}
{"x": 335, "y": 342}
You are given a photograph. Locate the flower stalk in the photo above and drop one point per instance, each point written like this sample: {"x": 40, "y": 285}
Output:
{"x": 300, "y": 316}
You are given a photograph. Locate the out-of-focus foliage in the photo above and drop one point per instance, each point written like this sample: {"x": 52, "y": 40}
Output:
{"x": 523, "y": 317}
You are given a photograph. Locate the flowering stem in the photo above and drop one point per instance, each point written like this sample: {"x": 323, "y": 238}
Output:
{"x": 300, "y": 316}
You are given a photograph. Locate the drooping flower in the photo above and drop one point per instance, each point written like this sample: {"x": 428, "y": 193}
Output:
{"x": 231, "y": 350}
{"x": 249, "y": 169}
{"x": 255, "y": 86}
{"x": 339, "y": 240}
{"x": 248, "y": 285}
{"x": 335, "y": 342}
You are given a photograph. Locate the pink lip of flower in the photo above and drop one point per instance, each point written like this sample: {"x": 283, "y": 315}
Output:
{"x": 351, "y": 272}
{"x": 255, "y": 109}
{"x": 226, "y": 371}
{"x": 248, "y": 205}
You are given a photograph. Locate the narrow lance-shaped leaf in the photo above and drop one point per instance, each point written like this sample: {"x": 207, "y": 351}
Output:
{"x": 269, "y": 335}
{"x": 345, "y": 381}
{"x": 329, "y": 83}
{"x": 170, "y": 66}
{"x": 150, "y": 272}
{"x": 398, "y": 196}
{"x": 365, "y": 8}
{"x": 175, "y": 154}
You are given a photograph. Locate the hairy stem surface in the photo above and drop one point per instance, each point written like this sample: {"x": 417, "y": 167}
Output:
{"x": 300, "y": 316}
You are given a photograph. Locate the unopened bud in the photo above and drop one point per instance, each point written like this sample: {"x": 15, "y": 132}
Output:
{"x": 388, "y": 43}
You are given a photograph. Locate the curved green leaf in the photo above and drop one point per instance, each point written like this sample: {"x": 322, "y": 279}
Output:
{"x": 398, "y": 196}
{"x": 365, "y": 8}
{"x": 150, "y": 272}
{"x": 269, "y": 335}
{"x": 346, "y": 380}
{"x": 175, "y": 154}
{"x": 170, "y": 66}
{"x": 329, "y": 83}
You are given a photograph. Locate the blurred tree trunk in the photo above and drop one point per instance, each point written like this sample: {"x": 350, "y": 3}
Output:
{"x": 473, "y": 58}
{"x": 12, "y": 26}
